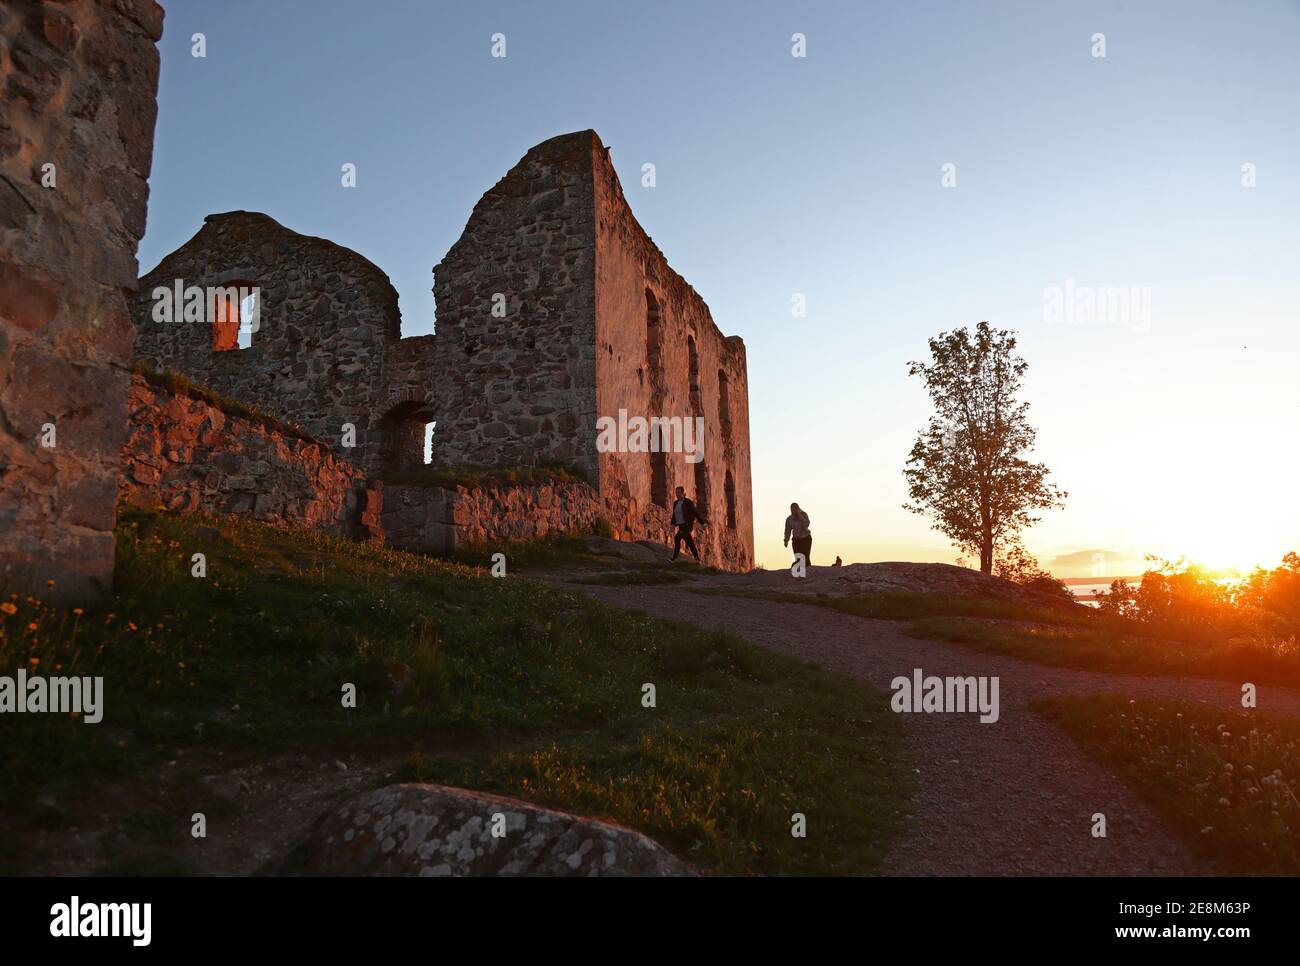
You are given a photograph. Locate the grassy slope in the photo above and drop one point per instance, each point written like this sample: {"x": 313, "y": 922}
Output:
{"x": 740, "y": 739}
{"x": 1226, "y": 781}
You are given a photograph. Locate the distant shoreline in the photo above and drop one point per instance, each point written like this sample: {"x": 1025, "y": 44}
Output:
{"x": 1101, "y": 581}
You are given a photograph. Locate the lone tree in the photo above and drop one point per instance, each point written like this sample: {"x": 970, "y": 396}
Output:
{"x": 967, "y": 468}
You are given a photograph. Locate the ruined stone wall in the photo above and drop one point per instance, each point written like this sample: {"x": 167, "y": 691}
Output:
{"x": 77, "y": 87}
{"x": 520, "y": 388}
{"x": 187, "y": 455}
{"x": 659, "y": 353}
{"x": 554, "y": 308}
{"x": 431, "y": 519}
{"x": 328, "y": 319}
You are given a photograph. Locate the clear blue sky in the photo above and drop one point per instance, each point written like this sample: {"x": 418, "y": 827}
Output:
{"x": 821, "y": 176}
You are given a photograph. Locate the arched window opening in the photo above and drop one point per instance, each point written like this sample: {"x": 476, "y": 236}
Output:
{"x": 724, "y": 403}
{"x": 406, "y": 435}
{"x": 250, "y": 314}
{"x": 235, "y": 311}
{"x": 659, "y": 479}
{"x": 654, "y": 338}
{"x": 702, "y": 489}
{"x": 697, "y": 407}
{"x": 428, "y": 441}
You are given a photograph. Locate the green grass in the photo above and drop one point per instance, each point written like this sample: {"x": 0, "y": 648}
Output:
{"x": 474, "y": 477}
{"x": 740, "y": 738}
{"x": 1104, "y": 649}
{"x": 1226, "y": 781}
{"x": 1085, "y": 640}
{"x": 550, "y": 552}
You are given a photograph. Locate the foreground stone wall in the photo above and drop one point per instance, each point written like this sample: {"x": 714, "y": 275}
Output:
{"x": 439, "y": 520}
{"x": 77, "y": 87}
{"x": 188, "y": 455}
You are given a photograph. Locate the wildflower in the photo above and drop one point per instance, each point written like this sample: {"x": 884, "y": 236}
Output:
{"x": 78, "y": 611}
{"x": 8, "y": 608}
{"x": 33, "y": 661}
{"x": 31, "y": 626}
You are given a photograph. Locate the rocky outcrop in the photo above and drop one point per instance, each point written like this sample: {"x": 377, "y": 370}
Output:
{"x": 77, "y": 86}
{"x": 896, "y": 576}
{"x": 433, "y": 830}
{"x": 189, "y": 455}
{"x": 641, "y": 551}
{"x": 433, "y": 519}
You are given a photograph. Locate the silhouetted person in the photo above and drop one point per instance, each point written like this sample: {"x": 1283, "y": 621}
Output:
{"x": 684, "y": 517}
{"x": 838, "y": 562}
{"x": 796, "y": 528}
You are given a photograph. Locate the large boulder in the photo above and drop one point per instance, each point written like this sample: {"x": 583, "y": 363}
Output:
{"x": 435, "y": 830}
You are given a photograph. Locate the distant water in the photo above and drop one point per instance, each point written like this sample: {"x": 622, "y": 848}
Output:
{"x": 1083, "y": 591}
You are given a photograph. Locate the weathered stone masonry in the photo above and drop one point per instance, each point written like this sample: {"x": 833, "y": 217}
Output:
{"x": 77, "y": 87}
{"x": 328, "y": 325}
{"x": 554, "y": 308}
{"x": 189, "y": 456}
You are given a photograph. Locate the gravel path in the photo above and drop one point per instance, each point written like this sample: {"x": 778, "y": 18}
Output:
{"x": 1015, "y": 797}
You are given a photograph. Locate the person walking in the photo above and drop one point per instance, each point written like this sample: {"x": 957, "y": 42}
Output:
{"x": 685, "y": 516}
{"x": 796, "y": 528}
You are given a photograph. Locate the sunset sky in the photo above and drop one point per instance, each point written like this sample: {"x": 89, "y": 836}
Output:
{"x": 1173, "y": 433}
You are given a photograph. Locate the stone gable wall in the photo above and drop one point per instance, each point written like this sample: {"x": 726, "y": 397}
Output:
{"x": 521, "y": 388}
{"x": 77, "y": 87}
{"x": 328, "y": 320}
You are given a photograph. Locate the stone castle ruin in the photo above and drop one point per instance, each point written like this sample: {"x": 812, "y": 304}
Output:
{"x": 554, "y": 309}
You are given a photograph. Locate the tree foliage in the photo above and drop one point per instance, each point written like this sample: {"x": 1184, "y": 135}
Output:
{"x": 968, "y": 469}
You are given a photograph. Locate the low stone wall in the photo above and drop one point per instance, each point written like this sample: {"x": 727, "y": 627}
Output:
{"x": 432, "y": 519}
{"x": 188, "y": 455}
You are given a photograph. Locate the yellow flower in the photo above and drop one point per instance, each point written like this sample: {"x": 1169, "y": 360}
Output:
{"x": 78, "y": 611}
{"x": 8, "y": 608}
{"x": 31, "y": 626}
{"x": 33, "y": 661}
